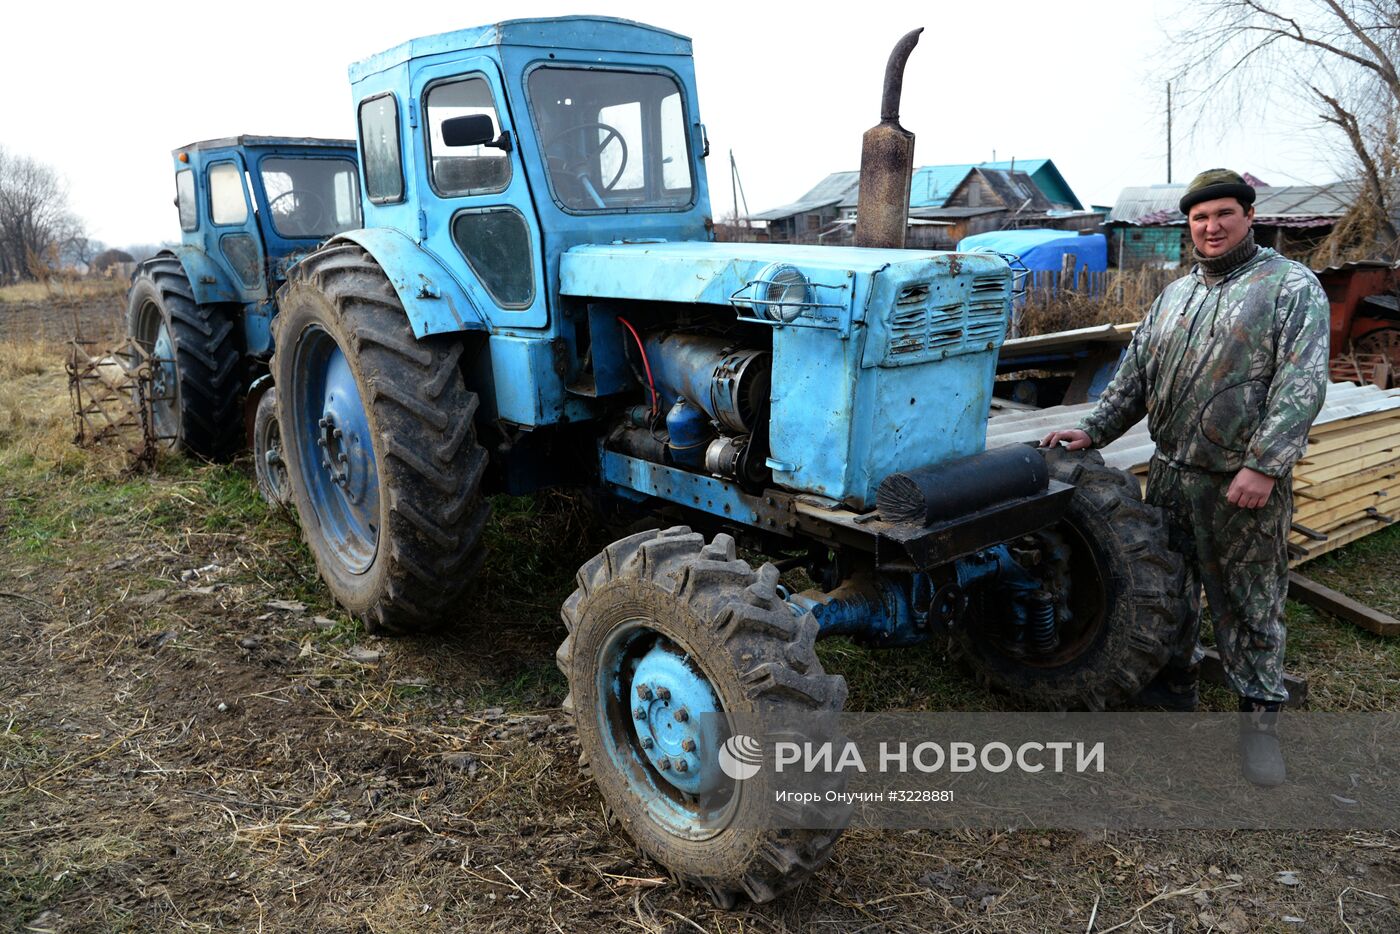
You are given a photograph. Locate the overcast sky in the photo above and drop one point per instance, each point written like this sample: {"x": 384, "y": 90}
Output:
{"x": 104, "y": 94}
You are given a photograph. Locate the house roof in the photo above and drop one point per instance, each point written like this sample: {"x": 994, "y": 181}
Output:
{"x": 1277, "y": 206}
{"x": 1017, "y": 191}
{"x": 930, "y": 187}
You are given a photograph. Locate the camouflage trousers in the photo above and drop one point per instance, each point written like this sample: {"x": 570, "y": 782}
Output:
{"x": 1240, "y": 557}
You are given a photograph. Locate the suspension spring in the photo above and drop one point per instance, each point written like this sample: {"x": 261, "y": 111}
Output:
{"x": 1041, "y": 622}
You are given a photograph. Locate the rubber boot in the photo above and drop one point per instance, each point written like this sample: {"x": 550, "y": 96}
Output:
{"x": 1261, "y": 756}
{"x": 1176, "y": 688}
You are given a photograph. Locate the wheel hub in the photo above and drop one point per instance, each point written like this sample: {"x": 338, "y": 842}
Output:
{"x": 670, "y": 702}
{"x": 337, "y": 459}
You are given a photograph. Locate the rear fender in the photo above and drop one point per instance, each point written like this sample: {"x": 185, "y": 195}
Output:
{"x": 433, "y": 300}
{"x": 209, "y": 281}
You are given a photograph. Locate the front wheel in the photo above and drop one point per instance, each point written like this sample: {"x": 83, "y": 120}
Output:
{"x": 671, "y": 639}
{"x": 379, "y": 444}
{"x": 1119, "y": 597}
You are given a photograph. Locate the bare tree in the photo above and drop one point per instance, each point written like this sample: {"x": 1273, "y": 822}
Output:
{"x": 37, "y": 229}
{"x": 1343, "y": 56}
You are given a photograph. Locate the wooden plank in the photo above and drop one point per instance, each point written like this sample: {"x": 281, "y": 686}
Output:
{"x": 1358, "y": 435}
{"x": 1382, "y": 497}
{"x": 1343, "y": 424}
{"x": 1333, "y": 603}
{"x": 1348, "y": 455}
{"x": 1328, "y": 487}
{"x": 1335, "y": 539}
{"x": 1213, "y": 671}
{"x": 1319, "y": 474}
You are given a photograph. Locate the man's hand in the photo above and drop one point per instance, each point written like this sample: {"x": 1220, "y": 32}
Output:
{"x": 1250, "y": 489}
{"x": 1077, "y": 439}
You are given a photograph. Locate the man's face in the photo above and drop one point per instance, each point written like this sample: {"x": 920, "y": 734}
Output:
{"x": 1218, "y": 226}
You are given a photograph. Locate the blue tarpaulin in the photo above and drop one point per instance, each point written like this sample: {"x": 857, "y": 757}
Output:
{"x": 1043, "y": 249}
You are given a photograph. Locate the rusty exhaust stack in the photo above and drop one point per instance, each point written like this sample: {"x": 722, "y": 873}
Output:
{"x": 887, "y": 162}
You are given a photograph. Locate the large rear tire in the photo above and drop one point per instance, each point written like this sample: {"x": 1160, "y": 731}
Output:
{"x": 380, "y": 446}
{"x": 663, "y": 623}
{"x": 1120, "y": 590}
{"x": 197, "y": 380}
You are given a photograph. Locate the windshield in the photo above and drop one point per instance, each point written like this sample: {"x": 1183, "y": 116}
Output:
{"x": 311, "y": 198}
{"x": 612, "y": 140}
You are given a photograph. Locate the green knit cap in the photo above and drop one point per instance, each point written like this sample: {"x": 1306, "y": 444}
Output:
{"x": 1216, "y": 183}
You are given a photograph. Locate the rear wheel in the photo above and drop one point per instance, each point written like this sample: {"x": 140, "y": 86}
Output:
{"x": 268, "y": 463}
{"x": 378, "y": 438}
{"x": 670, "y": 640}
{"x": 196, "y": 382}
{"x": 1119, "y": 597}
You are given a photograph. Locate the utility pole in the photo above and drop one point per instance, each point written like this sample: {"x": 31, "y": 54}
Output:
{"x": 737, "y": 189}
{"x": 1169, "y": 132}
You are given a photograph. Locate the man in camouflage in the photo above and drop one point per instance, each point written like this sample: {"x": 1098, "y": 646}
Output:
{"x": 1230, "y": 368}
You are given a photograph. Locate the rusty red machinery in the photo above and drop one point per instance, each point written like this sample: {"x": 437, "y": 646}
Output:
{"x": 1365, "y": 327}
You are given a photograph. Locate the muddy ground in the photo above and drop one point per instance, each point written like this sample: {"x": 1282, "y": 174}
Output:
{"x": 193, "y": 738}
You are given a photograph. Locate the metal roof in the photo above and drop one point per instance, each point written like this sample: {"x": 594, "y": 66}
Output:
{"x": 930, "y": 186}
{"x": 788, "y": 210}
{"x": 271, "y": 141}
{"x": 1277, "y": 206}
{"x": 1134, "y": 203}
{"x": 583, "y": 33}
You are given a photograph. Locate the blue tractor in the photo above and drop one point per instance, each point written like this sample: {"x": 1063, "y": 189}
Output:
{"x": 248, "y": 206}
{"x": 536, "y": 299}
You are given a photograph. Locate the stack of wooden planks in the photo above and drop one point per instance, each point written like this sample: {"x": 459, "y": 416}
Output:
{"x": 1345, "y": 487}
{"x": 1348, "y": 483}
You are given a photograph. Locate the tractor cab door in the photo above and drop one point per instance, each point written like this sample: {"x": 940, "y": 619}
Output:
{"x": 232, "y": 238}
{"x": 484, "y": 212}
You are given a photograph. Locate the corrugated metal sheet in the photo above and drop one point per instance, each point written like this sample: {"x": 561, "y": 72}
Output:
{"x": 788, "y": 210}
{"x": 1344, "y": 400}
{"x": 1277, "y": 206}
{"x": 930, "y": 186}
{"x": 1133, "y": 203}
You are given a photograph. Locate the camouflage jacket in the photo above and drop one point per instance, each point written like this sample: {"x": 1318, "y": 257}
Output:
{"x": 1229, "y": 375}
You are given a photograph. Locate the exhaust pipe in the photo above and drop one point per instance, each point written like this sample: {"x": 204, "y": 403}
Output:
{"x": 887, "y": 162}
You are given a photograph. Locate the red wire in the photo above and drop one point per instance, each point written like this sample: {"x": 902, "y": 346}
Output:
{"x": 651, "y": 383}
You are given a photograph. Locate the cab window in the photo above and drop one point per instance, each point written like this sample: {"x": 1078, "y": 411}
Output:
{"x": 613, "y": 140}
{"x": 379, "y": 148}
{"x": 464, "y": 170}
{"x": 227, "y": 204}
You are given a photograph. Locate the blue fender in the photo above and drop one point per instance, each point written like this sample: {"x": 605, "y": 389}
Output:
{"x": 208, "y": 280}
{"x": 433, "y": 300}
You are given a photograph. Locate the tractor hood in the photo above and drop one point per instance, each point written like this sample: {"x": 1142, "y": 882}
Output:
{"x": 721, "y": 273}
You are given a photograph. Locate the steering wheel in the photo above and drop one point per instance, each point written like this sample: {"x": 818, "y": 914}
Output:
{"x": 578, "y": 165}
{"x": 304, "y": 209}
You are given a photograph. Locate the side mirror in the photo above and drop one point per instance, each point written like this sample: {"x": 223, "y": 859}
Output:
{"x": 473, "y": 130}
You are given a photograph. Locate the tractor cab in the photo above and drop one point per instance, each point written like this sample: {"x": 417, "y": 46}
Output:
{"x": 248, "y": 203}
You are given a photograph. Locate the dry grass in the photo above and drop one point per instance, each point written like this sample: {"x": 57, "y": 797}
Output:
{"x": 178, "y": 755}
{"x": 1126, "y": 297}
{"x": 63, "y": 290}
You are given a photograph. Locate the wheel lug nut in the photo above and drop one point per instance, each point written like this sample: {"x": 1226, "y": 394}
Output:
{"x": 337, "y": 433}
{"x": 682, "y": 715}
{"x": 688, "y": 745}
{"x": 663, "y": 692}
{"x": 647, "y": 742}
{"x": 664, "y": 765}
{"x": 681, "y": 765}
{"x": 644, "y": 692}
{"x": 342, "y": 458}
{"x": 640, "y": 713}
{"x": 323, "y": 422}
{"x": 320, "y": 442}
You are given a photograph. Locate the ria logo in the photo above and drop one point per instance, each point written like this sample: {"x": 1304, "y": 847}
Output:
{"x": 740, "y": 757}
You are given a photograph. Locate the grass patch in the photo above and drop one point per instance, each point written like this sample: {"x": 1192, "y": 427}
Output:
{"x": 63, "y": 289}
